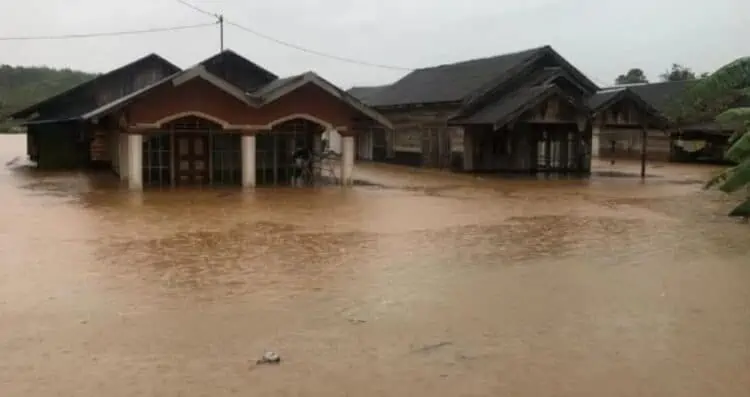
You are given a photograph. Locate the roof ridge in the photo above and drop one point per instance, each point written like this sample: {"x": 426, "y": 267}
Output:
{"x": 473, "y": 60}
{"x": 97, "y": 77}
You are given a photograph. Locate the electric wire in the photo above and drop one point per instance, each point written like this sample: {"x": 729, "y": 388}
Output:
{"x": 106, "y": 34}
{"x": 292, "y": 45}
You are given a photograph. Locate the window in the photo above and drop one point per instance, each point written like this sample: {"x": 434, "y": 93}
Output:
{"x": 156, "y": 160}
{"x": 226, "y": 159}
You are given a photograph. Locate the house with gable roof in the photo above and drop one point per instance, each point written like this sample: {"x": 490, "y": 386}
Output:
{"x": 525, "y": 111}
{"x": 224, "y": 121}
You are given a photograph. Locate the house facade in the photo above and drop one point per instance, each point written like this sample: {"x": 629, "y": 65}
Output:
{"x": 529, "y": 111}
{"x": 616, "y": 128}
{"x": 519, "y": 112}
{"x": 224, "y": 121}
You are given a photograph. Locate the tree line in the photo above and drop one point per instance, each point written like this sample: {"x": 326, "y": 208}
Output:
{"x": 677, "y": 72}
{"x": 23, "y": 86}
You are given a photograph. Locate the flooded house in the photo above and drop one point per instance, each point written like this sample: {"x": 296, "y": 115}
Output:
{"x": 224, "y": 121}
{"x": 524, "y": 111}
{"x": 619, "y": 133}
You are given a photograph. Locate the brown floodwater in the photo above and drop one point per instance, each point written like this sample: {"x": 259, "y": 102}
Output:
{"x": 423, "y": 284}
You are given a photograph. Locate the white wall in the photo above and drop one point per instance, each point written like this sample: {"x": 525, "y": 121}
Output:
{"x": 334, "y": 140}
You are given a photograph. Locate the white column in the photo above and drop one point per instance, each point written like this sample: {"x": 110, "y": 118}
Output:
{"x": 317, "y": 144}
{"x": 468, "y": 150}
{"x": 595, "y": 142}
{"x": 135, "y": 161}
{"x": 347, "y": 159}
{"x": 248, "y": 161}
{"x": 122, "y": 143}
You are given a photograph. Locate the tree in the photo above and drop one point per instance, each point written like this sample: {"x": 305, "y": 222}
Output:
{"x": 633, "y": 76}
{"x": 678, "y": 73}
{"x": 716, "y": 95}
{"x": 22, "y": 86}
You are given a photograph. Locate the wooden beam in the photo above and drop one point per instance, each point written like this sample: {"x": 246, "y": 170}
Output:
{"x": 644, "y": 146}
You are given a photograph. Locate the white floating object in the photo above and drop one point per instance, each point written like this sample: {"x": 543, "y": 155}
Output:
{"x": 269, "y": 358}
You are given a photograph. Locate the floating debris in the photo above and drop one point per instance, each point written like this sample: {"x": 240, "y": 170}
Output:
{"x": 427, "y": 348}
{"x": 269, "y": 358}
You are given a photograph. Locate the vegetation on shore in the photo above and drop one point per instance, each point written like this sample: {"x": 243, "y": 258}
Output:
{"x": 725, "y": 96}
{"x": 23, "y": 86}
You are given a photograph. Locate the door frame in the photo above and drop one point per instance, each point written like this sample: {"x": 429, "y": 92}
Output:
{"x": 195, "y": 177}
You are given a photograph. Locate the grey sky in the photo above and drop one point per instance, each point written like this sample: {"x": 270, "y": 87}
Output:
{"x": 603, "y": 38}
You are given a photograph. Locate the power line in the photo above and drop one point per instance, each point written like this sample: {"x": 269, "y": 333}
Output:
{"x": 288, "y": 44}
{"x": 314, "y": 52}
{"x": 106, "y": 34}
{"x": 196, "y": 8}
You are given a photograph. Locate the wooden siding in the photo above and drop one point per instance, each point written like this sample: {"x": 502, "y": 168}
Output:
{"x": 99, "y": 146}
{"x": 422, "y": 136}
{"x": 627, "y": 143}
{"x": 553, "y": 110}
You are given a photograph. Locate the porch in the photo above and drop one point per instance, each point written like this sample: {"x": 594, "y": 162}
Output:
{"x": 527, "y": 147}
{"x": 196, "y": 151}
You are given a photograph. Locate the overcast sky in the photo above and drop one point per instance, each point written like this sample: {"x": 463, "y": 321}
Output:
{"x": 603, "y": 38}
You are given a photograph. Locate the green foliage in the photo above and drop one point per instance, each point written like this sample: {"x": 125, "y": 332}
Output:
{"x": 24, "y": 86}
{"x": 712, "y": 95}
{"x": 633, "y": 76}
{"x": 678, "y": 73}
{"x": 717, "y": 96}
{"x": 742, "y": 210}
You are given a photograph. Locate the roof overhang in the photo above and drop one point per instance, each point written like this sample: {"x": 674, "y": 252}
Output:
{"x": 536, "y": 96}
{"x": 620, "y": 94}
{"x": 312, "y": 78}
{"x": 177, "y": 79}
{"x": 200, "y": 72}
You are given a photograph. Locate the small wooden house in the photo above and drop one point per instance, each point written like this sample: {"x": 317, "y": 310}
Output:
{"x": 619, "y": 120}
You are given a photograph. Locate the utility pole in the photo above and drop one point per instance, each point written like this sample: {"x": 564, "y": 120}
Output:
{"x": 221, "y": 31}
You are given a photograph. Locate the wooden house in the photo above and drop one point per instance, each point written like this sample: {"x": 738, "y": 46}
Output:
{"x": 618, "y": 128}
{"x": 224, "y": 121}
{"x": 524, "y": 111}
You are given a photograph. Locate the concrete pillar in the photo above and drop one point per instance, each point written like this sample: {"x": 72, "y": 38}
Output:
{"x": 248, "y": 161}
{"x": 347, "y": 159}
{"x": 468, "y": 150}
{"x": 595, "y": 142}
{"x": 122, "y": 143}
{"x": 135, "y": 161}
{"x": 317, "y": 144}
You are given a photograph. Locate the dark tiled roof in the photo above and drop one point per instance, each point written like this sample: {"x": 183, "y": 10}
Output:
{"x": 604, "y": 98}
{"x": 82, "y": 98}
{"x": 275, "y": 85}
{"x": 238, "y": 71}
{"x": 366, "y": 94}
{"x": 504, "y": 108}
{"x": 660, "y": 95}
{"x": 450, "y": 83}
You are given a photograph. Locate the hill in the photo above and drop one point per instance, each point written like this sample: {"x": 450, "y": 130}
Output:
{"x": 22, "y": 86}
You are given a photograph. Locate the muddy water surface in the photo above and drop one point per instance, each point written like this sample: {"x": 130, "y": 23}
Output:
{"x": 423, "y": 284}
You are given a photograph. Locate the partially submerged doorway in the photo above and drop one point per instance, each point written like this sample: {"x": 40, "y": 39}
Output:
{"x": 191, "y": 151}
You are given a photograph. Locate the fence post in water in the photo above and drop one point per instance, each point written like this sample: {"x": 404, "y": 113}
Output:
{"x": 644, "y": 145}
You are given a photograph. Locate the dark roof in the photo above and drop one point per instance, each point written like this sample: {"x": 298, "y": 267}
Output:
{"x": 365, "y": 94}
{"x": 604, "y": 98}
{"x": 238, "y": 71}
{"x": 259, "y": 96}
{"x": 450, "y": 83}
{"x": 83, "y": 98}
{"x": 275, "y": 85}
{"x": 660, "y": 95}
{"x": 469, "y": 80}
{"x": 505, "y": 109}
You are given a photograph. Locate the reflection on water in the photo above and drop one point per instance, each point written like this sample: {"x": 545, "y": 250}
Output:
{"x": 415, "y": 282}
